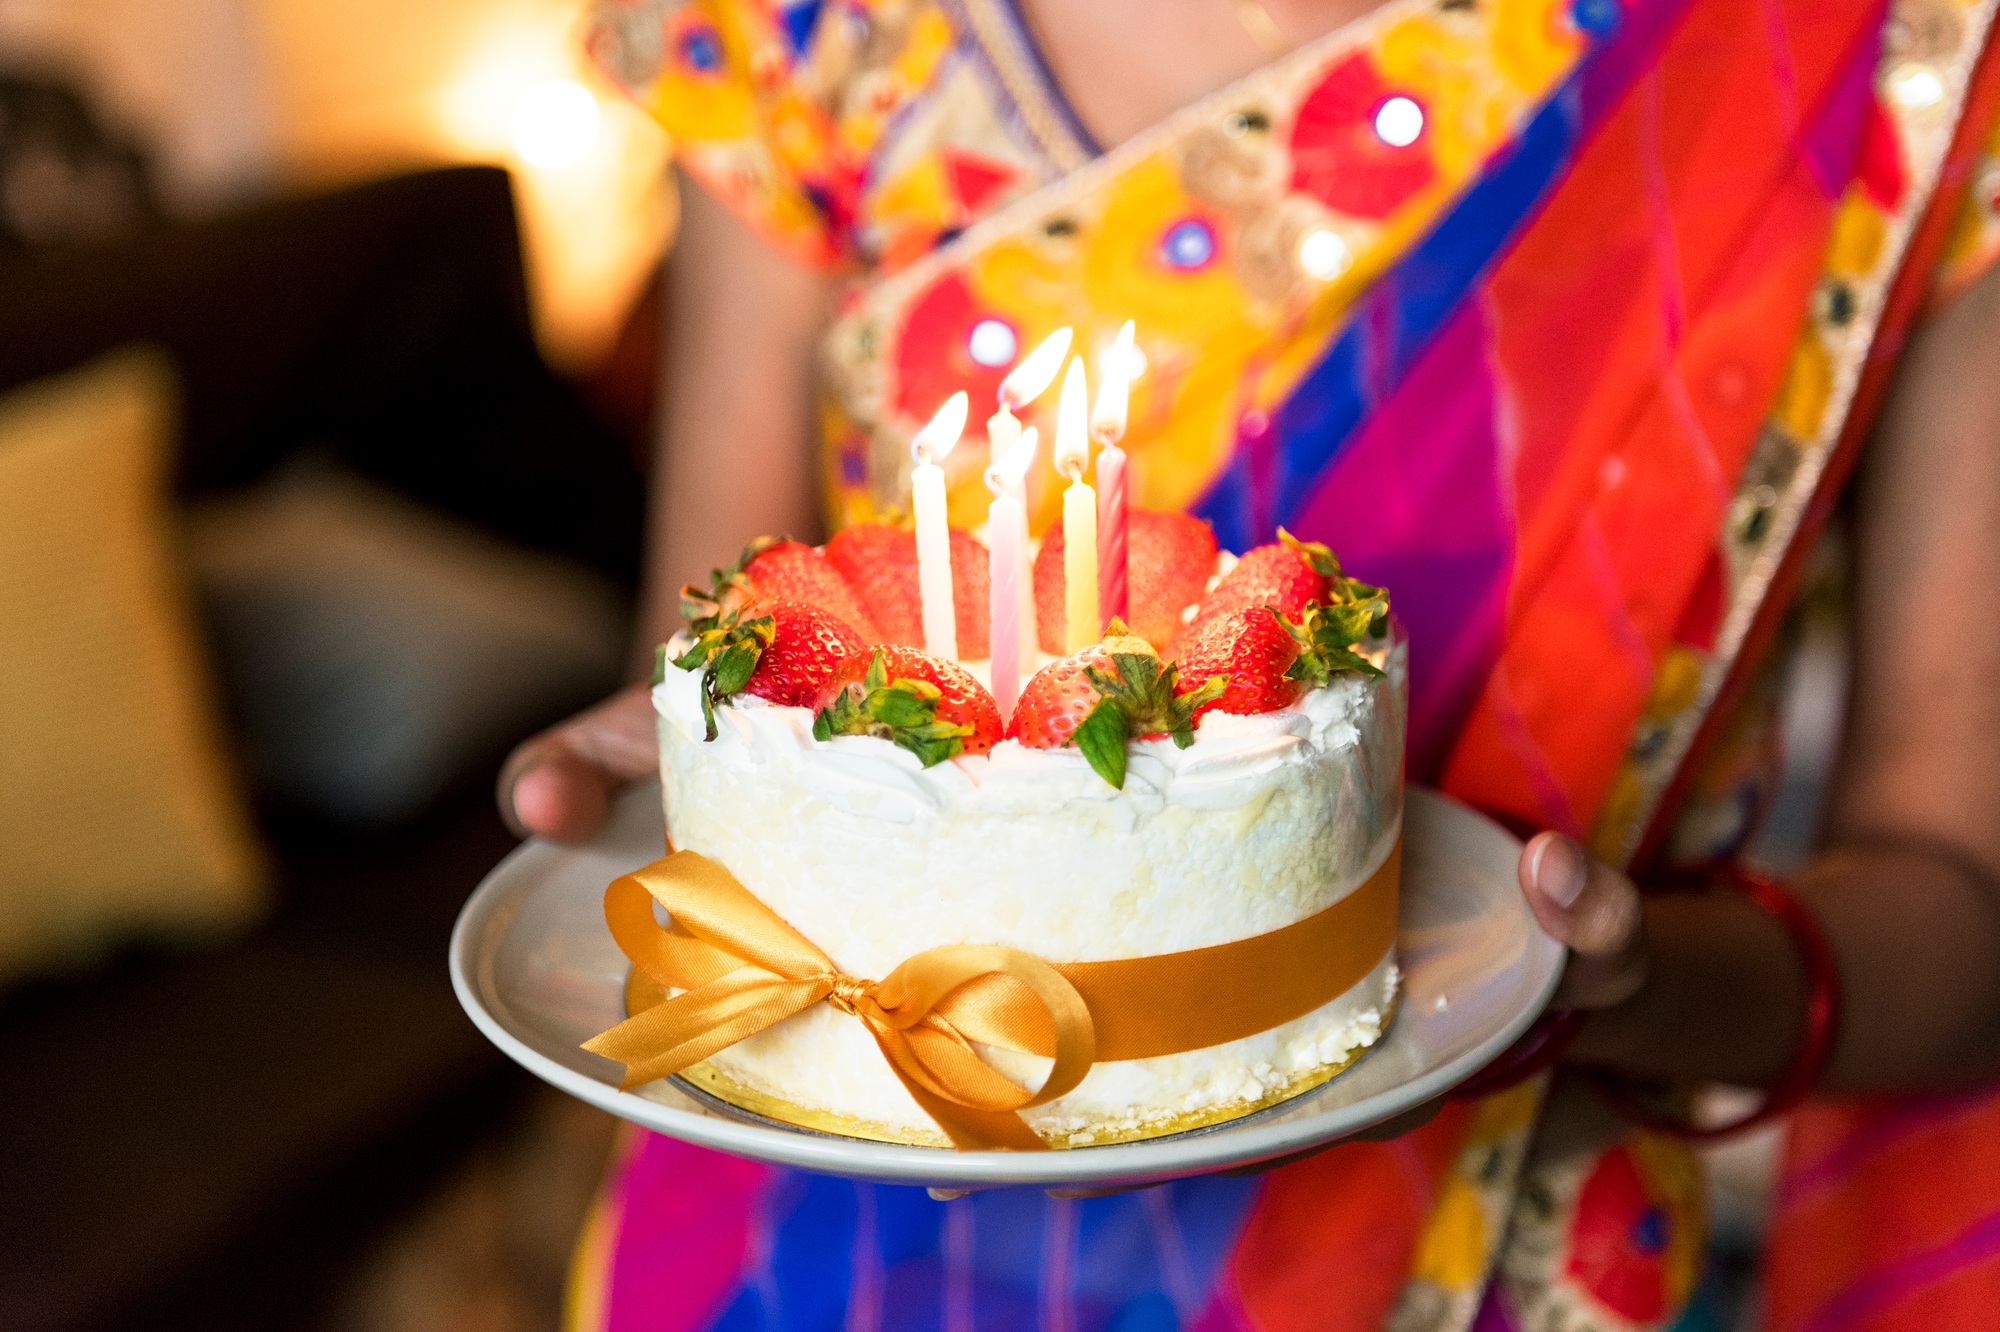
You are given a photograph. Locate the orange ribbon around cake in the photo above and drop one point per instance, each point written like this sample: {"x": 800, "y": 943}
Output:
{"x": 741, "y": 968}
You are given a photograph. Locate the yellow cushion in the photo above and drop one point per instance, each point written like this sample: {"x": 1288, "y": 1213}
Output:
{"x": 120, "y": 816}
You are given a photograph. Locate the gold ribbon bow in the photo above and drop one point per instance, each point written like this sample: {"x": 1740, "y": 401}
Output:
{"x": 741, "y": 968}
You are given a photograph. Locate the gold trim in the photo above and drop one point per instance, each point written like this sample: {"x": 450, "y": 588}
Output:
{"x": 707, "y": 1079}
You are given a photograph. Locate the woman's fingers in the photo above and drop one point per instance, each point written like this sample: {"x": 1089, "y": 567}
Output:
{"x": 558, "y": 784}
{"x": 1595, "y": 911}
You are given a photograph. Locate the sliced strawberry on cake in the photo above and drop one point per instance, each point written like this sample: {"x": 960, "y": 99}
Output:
{"x": 1169, "y": 558}
{"x": 880, "y": 563}
{"x": 1105, "y": 695}
{"x": 781, "y": 651}
{"x": 932, "y": 707}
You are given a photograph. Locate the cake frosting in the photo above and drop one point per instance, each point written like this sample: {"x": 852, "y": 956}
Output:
{"x": 1262, "y": 821}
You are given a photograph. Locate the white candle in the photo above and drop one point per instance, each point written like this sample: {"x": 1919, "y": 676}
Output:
{"x": 1013, "y": 615}
{"x": 929, "y": 448}
{"x": 1107, "y": 427}
{"x": 1072, "y": 454}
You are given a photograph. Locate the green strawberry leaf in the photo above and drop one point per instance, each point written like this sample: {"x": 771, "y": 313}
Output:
{"x": 1140, "y": 691}
{"x": 728, "y": 591}
{"x": 901, "y": 711}
{"x": 659, "y": 665}
{"x": 727, "y": 654}
{"x": 1320, "y": 559}
{"x": 1326, "y": 635}
{"x": 1189, "y": 703}
{"x": 1101, "y": 736}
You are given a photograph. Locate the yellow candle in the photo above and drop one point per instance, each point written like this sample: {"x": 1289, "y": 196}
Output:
{"x": 932, "y": 443}
{"x": 1072, "y": 454}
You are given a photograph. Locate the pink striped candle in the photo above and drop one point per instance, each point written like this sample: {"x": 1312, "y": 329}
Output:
{"x": 1007, "y": 565}
{"x": 1112, "y": 593}
{"x": 1107, "y": 427}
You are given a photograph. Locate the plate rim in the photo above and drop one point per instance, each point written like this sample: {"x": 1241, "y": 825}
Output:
{"x": 1218, "y": 1147}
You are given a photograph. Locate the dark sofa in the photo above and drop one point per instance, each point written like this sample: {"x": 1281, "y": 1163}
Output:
{"x": 211, "y": 1139}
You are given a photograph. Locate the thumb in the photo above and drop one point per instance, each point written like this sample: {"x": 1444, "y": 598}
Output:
{"x": 1595, "y": 911}
{"x": 558, "y": 784}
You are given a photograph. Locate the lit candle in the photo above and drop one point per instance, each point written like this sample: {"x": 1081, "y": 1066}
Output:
{"x": 1037, "y": 370}
{"x": 1011, "y": 604}
{"x": 1023, "y": 384}
{"x": 929, "y": 448}
{"x": 1072, "y": 454}
{"x": 1107, "y": 427}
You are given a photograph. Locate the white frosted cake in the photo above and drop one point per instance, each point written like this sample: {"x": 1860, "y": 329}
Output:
{"x": 1262, "y": 821}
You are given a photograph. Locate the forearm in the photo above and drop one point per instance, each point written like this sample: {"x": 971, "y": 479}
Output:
{"x": 1913, "y": 929}
{"x": 1907, "y": 895}
{"x": 735, "y": 454}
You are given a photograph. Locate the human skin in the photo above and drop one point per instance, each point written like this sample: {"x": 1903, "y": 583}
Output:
{"x": 1705, "y": 988}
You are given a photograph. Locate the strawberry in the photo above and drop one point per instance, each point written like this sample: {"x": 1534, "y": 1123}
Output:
{"x": 1105, "y": 695}
{"x": 932, "y": 707}
{"x": 1288, "y": 574}
{"x": 784, "y": 651}
{"x": 972, "y": 596}
{"x": 794, "y": 571}
{"x": 775, "y": 569}
{"x": 1267, "y": 660}
{"x": 880, "y": 563}
{"x": 1169, "y": 558}
{"x": 1252, "y": 650}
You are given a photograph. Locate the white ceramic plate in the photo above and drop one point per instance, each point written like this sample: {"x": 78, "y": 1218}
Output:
{"x": 535, "y": 967}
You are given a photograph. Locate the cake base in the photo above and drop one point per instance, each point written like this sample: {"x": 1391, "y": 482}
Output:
{"x": 705, "y": 1079}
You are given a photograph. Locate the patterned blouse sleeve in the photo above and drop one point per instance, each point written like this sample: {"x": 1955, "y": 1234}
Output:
{"x": 744, "y": 88}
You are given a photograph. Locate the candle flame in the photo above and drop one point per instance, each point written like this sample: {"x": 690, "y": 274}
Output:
{"x": 1072, "y": 422}
{"x": 1011, "y": 467}
{"x": 1026, "y": 381}
{"x": 938, "y": 438}
{"x": 1107, "y": 418}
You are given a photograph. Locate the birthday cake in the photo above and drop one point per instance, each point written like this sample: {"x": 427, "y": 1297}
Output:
{"x": 1225, "y": 765}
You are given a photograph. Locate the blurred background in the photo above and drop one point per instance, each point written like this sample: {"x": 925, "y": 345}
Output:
{"x": 234, "y": 99}
{"x": 327, "y": 332}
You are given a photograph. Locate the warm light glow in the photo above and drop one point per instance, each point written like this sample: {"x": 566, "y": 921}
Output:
{"x": 1107, "y": 417}
{"x": 1127, "y": 353}
{"x": 555, "y": 124}
{"x": 1026, "y": 381}
{"x": 1008, "y": 472}
{"x": 1072, "y": 450}
{"x": 1399, "y": 121}
{"x": 992, "y": 342}
{"x": 1324, "y": 255}
{"x": 1915, "y": 86}
{"x": 940, "y": 436}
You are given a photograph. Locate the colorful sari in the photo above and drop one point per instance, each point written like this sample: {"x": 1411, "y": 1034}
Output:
{"x": 1563, "y": 319}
